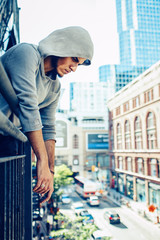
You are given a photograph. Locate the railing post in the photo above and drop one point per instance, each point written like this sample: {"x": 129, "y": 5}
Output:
{"x": 28, "y": 193}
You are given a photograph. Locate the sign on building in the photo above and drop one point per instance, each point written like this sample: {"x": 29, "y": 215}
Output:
{"x": 97, "y": 141}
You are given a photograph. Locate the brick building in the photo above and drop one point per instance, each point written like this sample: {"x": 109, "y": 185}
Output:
{"x": 134, "y": 139}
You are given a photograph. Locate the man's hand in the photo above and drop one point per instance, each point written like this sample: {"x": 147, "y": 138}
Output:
{"x": 45, "y": 181}
{"x": 45, "y": 161}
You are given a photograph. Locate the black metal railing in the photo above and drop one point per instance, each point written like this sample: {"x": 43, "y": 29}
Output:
{"x": 15, "y": 189}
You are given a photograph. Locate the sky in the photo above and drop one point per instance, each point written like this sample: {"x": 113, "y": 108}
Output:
{"x": 38, "y": 18}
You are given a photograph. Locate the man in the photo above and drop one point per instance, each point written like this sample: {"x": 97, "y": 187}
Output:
{"x": 33, "y": 72}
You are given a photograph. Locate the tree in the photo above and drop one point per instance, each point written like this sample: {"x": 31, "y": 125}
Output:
{"x": 62, "y": 177}
{"x": 73, "y": 229}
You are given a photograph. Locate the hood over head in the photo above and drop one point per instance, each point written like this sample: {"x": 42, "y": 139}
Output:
{"x": 71, "y": 41}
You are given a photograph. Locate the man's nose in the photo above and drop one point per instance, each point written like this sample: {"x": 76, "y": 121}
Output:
{"x": 74, "y": 68}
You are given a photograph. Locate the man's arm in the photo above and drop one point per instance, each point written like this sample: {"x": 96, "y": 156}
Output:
{"x": 43, "y": 153}
{"x": 50, "y": 147}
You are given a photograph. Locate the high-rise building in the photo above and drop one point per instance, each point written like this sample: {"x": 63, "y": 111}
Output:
{"x": 88, "y": 104}
{"x": 138, "y": 26}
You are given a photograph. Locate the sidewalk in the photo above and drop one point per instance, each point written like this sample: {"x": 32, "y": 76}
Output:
{"x": 139, "y": 208}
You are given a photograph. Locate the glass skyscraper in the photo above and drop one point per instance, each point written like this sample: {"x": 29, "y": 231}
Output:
{"x": 138, "y": 26}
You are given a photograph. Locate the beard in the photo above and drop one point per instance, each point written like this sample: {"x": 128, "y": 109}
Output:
{"x": 54, "y": 65}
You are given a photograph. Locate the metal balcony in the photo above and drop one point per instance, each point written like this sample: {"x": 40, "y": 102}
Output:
{"x": 15, "y": 189}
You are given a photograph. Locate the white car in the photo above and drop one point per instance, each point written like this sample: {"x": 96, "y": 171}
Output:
{"x": 65, "y": 199}
{"x": 77, "y": 207}
{"x": 101, "y": 235}
{"x": 94, "y": 201}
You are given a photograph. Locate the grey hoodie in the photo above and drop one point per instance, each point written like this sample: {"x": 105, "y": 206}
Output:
{"x": 38, "y": 94}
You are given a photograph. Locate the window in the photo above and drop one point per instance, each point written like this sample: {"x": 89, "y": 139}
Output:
{"x": 138, "y": 133}
{"x": 148, "y": 96}
{"x": 120, "y": 163}
{"x": 126, "y": 106}
{"x": 118, "y": 111}
{"x": 151, "y": 132}
{"x": 113, "y": 162}
{"x": 127, "y": 135}
{"x": 136, "y": 102}
{"x": 153, "y": 167}
{"x": 140, "y": 165}
{"x": 75, "y": 141}
{"x": 129, "y": 164}
{"x": 112, "y": 138}
{"x": 119, "y": 136}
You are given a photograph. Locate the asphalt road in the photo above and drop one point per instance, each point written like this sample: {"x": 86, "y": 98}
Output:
{"x": 132, "y": 226}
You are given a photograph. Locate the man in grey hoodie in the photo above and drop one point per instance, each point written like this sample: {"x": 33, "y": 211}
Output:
{"x": 33, "y": 72}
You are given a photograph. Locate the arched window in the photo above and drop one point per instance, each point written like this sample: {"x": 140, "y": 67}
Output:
{"x": 127, "y": 135}
{"x": 113, "y": 162}
{"x": 138, "y": 133}
{"x": 120, "y": 163}
{"x": 129, "y": 164}
{"x": 153, "y": 167}
{"x": 75, "y": 141}
{"x": 119, "y": 136}
{"x": 151, "y": 131}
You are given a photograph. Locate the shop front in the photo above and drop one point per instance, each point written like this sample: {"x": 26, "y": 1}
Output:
{"x": 113, "y": 182}
{"x": 129, "y": 187}
{"x": 140, "y": 187}
{"x": 104, "y": 177}
{"x": 121, "y": 187}
{"x": 154, "y": 194}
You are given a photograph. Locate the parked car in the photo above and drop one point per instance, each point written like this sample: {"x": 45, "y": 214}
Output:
{"x": 101, "y": 235}
{"x": 65, "y": 198}
{"x": 93, "y": 201}
{"x": 87, "y": 217}
{"x": 112, "y": 216}
{"x": 77, "y": 207}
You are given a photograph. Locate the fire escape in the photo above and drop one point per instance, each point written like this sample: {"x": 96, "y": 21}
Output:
{"x": 16, "y": 211}
{"x": 9, "y": 24}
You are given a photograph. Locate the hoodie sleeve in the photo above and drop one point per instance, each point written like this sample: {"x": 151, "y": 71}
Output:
{"x": 21, "y": 65}
{"x": 48, "y": 118}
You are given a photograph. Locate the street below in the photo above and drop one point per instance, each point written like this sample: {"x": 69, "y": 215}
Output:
{"x": 131, "y": 227}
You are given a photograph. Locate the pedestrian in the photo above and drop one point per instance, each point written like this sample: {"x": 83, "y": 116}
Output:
{"x": 34, "y": 72}
{"x": 42, "y": 237}
{"x": 38, "y": 228}
{"x": 48, "y": 227}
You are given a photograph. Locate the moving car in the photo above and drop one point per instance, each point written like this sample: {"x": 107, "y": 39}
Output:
{"x": 101, "y": 235}
{"x": 94, "y": 201}
{"x": 77, "y": 207}
{"x": 65, "y": 199}
{"x": 112, "y": 216}
{"x": 87, "y": 217}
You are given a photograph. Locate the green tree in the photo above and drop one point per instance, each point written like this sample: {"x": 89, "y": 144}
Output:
{"x": 73, "y": 229}
{"x": 62, "y": 177}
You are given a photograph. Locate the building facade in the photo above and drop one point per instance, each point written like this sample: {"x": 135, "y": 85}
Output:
{"x": 88, "y": 105}
{"x": 134, "y": 139}
{"x": 96, "y": 166}
{"x": 138, "y": 27}
{"x": 81, "y": 149}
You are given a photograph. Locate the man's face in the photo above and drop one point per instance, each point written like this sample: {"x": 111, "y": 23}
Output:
{"x": 67, "y": 64}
